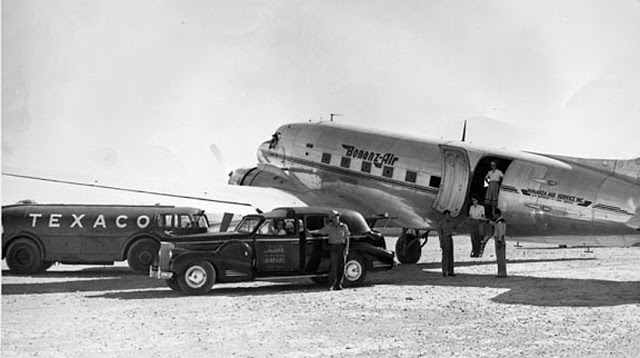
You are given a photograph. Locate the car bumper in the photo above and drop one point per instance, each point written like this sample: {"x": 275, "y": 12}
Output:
{"x": 156, "y": 272}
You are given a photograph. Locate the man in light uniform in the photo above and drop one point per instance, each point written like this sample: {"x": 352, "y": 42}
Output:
{"x": 339, "y": 245}
{"x": 476, "y": 218}
{"x": 494, "y": 178}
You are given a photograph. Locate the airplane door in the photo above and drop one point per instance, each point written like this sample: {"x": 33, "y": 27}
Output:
{"x": 456, "y": 176}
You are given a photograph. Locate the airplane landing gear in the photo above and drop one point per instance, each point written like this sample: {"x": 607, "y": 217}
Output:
{"x": 409, "y": 245}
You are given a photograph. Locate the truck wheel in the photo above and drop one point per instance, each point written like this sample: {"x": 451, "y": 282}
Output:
{"x": 141, "y": 254}
{"x": 408, "y": 249}
{"x": 355, "y": 270}
{"x": 24, "y": 257}
{"x": 198, "y": 278}
{"x": 173, "y": 284}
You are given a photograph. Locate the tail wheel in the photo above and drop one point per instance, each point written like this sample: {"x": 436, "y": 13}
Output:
{"x": 408, "y": 249}
{"x": 198, "y": 278}
{"x": 24, "y": 257}
{"x": 355, "y": 270}
{"x": 141, "y": 254}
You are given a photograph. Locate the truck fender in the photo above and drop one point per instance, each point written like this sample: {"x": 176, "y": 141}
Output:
{"x": 23, "y": 235}
{"x": 135, "y": 237}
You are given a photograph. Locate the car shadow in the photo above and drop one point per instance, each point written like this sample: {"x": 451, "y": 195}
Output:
{"x": 223, "y": 290}
{"x": 122, "y": 284}
{"x": 85, "y": 280}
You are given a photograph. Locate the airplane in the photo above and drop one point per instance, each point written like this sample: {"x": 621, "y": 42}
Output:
{"x": 413, "y": 180}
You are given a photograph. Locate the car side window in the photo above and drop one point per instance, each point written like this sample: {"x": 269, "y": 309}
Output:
{"x": 315, "y": 222}
{"x": 167, "y": 220}
{"x": 277, "y": 227}
{"x": 185, "y": 221}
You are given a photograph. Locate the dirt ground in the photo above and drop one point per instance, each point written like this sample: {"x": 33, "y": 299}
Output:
{"x": 555, "y": 303}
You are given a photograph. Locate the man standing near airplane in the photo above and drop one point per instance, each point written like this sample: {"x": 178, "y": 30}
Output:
{"x": 445, "y": 231}
{"x": 494, "y": 178}
{"x": 476, "y": 218}
{"x": 338, "y": 233}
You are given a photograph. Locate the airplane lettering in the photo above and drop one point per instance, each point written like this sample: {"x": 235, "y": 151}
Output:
{"x": 378, "y": 159}
{"x": 569, "y": 199}
{"x": 76, "y": 220}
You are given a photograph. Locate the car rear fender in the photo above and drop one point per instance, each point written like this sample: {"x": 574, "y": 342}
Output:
{"x": 371, "y": 253}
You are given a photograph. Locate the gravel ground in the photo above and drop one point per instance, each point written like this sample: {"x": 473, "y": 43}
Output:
{"x": 555, "y": 303}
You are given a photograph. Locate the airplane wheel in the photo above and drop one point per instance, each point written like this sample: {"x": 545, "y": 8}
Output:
{"x": 355, "y": 270}
{"x": 198, "y": 278}
{"x": 141, "y": 254}
{"x": 24, "y": 257}
{"x": 408, "y": 249}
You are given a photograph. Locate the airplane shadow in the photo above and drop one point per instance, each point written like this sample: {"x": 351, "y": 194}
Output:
{"x": 522, "y": 290}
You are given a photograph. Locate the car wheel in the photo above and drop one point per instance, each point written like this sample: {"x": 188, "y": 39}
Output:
{"x": 355, "y": 270}
{"x": 141, "y": 254}
{"x": 24, "y": 257}
{"x": 197, "y": 278}
{"x": 408, "y": 249}
{"x": 173, "y": 284}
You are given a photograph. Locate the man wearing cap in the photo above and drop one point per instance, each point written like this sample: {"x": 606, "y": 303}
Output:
{"x": 339, "y": 243}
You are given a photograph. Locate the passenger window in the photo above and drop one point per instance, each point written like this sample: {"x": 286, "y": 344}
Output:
{"x": 345, "y": 162}
{"x": 411, "y": 176}
{"x": 326, "y": 158}
{"x": 387, "y": 172}
{"x": 366, "y": 167}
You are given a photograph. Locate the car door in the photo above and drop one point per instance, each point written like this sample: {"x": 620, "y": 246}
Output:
{"x": 316, "y": 253}
{"x": 277, "y": 251}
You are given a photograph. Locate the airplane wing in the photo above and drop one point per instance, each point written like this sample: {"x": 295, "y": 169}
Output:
{"x": 18, "y": 186}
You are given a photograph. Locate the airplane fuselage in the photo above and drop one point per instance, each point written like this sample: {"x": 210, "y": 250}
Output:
{"x": 544, "y": 198}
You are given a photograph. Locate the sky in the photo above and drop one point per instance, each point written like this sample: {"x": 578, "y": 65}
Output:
{"x": 134, "y": 93}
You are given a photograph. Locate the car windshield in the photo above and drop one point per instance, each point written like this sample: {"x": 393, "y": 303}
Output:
{"x": 247, "y": 225}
